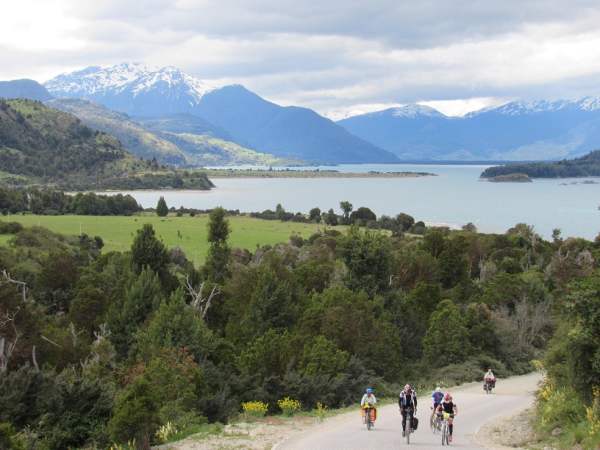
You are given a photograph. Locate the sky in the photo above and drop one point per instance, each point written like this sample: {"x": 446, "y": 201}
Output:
{"x": 339, "y": 57}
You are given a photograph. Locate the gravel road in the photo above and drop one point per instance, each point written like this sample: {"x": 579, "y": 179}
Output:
{"x": 475, "y": 408}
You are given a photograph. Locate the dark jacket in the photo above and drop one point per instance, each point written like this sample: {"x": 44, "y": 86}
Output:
{"x": 407, "y": 400}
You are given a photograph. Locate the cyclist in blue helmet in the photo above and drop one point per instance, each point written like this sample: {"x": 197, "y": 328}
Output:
{"x": 369, "y": 400}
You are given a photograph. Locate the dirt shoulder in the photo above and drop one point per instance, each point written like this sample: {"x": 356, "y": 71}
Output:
{"x": 513, "y": 432}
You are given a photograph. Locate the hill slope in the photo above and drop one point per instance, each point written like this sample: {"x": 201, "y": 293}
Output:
{"x": 586, "y": 166}
{"x": 516, "y": 131}
{"x": 251, "y": 121}
{"x": 39, "y": 144}
{"x": 29, "y": 89}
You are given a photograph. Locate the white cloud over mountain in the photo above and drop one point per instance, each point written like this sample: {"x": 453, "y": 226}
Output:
{"x": 332, "y": 56}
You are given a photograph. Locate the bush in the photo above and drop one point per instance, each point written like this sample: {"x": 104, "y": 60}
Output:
{"x": 8, "y": 438}
{"x": 255, "y": 409}
{"x": 289, "y": 406}
{"x": 10, "y": 227}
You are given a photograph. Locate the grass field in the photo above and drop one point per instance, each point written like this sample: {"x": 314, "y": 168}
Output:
{"x": 186, "y": 232}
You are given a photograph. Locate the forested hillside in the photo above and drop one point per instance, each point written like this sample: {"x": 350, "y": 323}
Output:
{"x": 586, "y": 166}
{"x": 42, "y": 145}
{"x": 103, "y": 348}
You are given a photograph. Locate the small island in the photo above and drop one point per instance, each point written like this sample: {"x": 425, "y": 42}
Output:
{"x": 511, "y": 178}
{"x": 307, "y": 173}
{"x": 585, "y": 166}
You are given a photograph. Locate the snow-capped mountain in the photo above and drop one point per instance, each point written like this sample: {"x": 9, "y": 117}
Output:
{"x": 518, "y": 130}
{"x": 133, "y": 88}
{"x": 250, "y": 120}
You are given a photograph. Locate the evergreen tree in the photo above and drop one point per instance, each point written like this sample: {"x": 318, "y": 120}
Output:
{"x": 135, "y": 415}
{"x": 161, "y": 207}
{"x": 148, "y": 251}
{"x": 447, "y": 339}
{"x": 124, "y": 318}
{"x": 215, "y": 267}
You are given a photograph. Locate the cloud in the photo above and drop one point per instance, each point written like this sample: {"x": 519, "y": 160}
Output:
{"x": 335, "y": 56}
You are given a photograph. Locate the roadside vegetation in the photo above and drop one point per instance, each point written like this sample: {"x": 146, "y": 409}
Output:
{"x": 133, "y": 346}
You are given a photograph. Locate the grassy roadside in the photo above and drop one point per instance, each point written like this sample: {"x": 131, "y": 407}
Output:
{"x": 188, "y": 233}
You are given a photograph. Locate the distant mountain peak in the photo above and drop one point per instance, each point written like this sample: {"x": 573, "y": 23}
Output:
{"x": 519, "y": 107}
{"x": 133, "y": 77}
{"x": 410, "y": 111}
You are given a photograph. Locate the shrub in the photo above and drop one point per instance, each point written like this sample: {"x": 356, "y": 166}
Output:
{"x": 255, "y": 409}
{"x": 289, "y": 406}
{"x": 321, "y": 411}
{"x": 165, "y": 432}
{"x": 10, "y": 227}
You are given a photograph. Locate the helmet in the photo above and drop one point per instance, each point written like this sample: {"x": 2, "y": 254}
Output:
{"x": 438, "y": 389}
{"x": 448, "y": 396}
{"x": 407, "y": 387}
{"x": 369, "y": 390}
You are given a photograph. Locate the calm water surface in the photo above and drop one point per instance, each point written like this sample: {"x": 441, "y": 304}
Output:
{"x": 454, "y": 197}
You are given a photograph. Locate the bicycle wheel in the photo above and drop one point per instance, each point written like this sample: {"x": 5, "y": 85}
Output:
{"x": 408, "y": 428}
{"x": 444, "y": 432}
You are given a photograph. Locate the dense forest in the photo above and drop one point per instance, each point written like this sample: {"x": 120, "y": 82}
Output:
{"x": 99, "y": 348}
{"x": 41, "y": 145}
{"x": 54, "y": 202}
{"x": 586, "y": 166}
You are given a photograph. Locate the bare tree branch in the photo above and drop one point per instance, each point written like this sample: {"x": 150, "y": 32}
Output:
{"x": 199, "y": 301}
{"x": 21, "y": 284}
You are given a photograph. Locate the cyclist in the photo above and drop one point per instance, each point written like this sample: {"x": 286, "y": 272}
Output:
{"x": 436, "y": 397}
{"x": 407, "y": 402}
{"x": 369, "y": 400}
{"x": 449, "y": 407}
{"x": 490, "y": 378}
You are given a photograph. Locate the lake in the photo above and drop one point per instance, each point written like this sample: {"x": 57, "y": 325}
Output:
{"x": 454, "y": 197}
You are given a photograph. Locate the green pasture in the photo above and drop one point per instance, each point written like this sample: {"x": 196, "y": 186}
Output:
{"x": 188, "y": 233}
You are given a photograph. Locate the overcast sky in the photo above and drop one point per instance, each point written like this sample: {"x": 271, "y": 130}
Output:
{"x": 336, "y": 56}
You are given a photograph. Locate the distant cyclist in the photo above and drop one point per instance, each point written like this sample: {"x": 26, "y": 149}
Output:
{"x": 369, "y": 400}
{"x": 490, "y": 378}
{"x": 449, "y": 407}
{"x": 407, "y": 402}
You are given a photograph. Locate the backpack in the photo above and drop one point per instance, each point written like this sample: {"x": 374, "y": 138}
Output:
{"x": 415, "y": 423}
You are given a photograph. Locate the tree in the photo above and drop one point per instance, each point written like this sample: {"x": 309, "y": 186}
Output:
{"x": 470, "y": 227}
{"x": 362, "y": 215}
{"x": 135, "y": 414}
{"x": 447, "y": 338}
{"x": 217, "y": 260}
{"x": 368, "y": 258}
{"x": 315, "y": 215}
{"x": 161, "y": 208}
{"x": 404, "y": 221}
{"x": 346, "y": 207}
{"x": 331, "y": 218}
{"x": 124, "y": 318}
{"x": 148, "y": 251}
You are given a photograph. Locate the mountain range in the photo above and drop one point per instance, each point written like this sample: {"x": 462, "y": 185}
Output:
{"x": 248, "y": 119}
{"x": 537, "y": 130}
{"x": 166, "y": 114}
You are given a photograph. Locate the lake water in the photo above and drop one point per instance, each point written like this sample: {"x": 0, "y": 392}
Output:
{"x": 455, "y": 197}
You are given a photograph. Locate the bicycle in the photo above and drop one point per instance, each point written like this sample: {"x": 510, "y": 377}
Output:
{"x": 488, "y": 386}
{"x": 445, "y": 429}
{"x": 408, "y": 428}
{"x": 435, "y": 422}
{"x": 368, "y": 419}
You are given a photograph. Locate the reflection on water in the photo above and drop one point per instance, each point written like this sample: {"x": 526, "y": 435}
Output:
{"x": 455, "y": 197}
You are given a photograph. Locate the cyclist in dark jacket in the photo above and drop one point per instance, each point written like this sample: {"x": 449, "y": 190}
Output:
{"x": 407, "y": 402}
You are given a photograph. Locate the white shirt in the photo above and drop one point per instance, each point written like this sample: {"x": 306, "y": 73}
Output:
{"x": 370, "y": 399}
